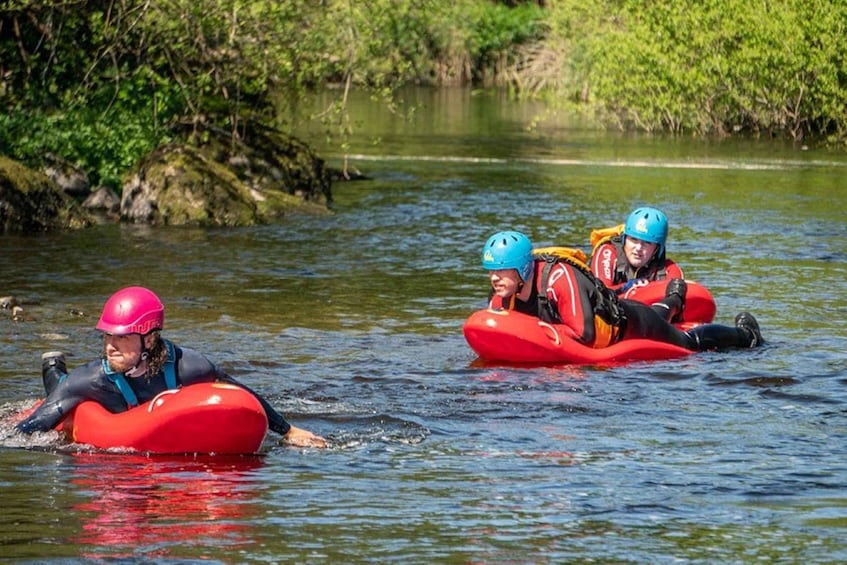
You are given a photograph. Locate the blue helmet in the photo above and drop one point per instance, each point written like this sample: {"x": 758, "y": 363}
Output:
{"x": 508, "y": 250}
{"x": 648, "y": 224}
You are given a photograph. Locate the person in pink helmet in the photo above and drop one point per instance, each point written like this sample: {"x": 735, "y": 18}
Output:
{"x": 136, "y": 364}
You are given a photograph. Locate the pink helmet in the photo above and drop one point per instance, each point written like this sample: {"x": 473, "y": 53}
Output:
{"x": 132, "y": 310}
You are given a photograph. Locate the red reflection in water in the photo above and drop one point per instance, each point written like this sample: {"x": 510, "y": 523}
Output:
{"x": 506, "y": 372}
{"x": 149, "y": 505}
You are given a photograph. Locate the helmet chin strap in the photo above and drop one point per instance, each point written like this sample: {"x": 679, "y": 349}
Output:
{"x": 520, "y": 286}
{"x": 140, "y": 368}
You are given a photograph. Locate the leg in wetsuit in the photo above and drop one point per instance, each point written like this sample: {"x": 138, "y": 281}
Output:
{"x": 671, "y": 306}
{"x": 53, "y": 369}
{"x": 644, "y": 322}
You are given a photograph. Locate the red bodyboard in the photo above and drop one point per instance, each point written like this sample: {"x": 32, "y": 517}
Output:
{"x": 509, "y": 336}
{"x": 208, "y": 418}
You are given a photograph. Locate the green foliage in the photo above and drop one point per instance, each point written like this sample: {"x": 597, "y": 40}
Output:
{"x": 101, "y": 83}
{"x": 380, "y": 45}
{"x": 496, "y": 29}
{"x": 714, "y": 66}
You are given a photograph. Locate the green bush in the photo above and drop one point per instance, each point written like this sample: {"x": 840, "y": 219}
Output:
{"x": 708, "y": 67}
{"x": 103, "y": 83}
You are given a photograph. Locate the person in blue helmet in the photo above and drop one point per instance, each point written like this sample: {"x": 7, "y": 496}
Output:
{"x": 635, "y": 251}
{"x": 566, "y": 292}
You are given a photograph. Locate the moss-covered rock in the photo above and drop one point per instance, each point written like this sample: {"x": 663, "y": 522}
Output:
{"x": 178, "y": 185}
{"x": 30, "y": 202}
{"x": 221, "y": 183}
{"x": 271, "y": 161}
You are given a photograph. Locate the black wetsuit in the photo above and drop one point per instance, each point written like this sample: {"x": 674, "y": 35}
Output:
{"x": 584, "y": 300}
{"x": 644, "y": 322}
{"x": 90, "y": 382}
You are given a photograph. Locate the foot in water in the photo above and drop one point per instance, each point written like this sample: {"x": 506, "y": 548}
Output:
{"x": 748, "y": 323}
{"x": 53, "y": 369}
{"x": 671, "y": 307}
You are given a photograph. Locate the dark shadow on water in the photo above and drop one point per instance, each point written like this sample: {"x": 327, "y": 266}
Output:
{"x": 758, "y": 381}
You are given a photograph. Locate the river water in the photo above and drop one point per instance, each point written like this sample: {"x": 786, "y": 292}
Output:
{"x": 351, "y": 324}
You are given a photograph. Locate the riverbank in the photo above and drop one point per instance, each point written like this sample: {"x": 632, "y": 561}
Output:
{"x": 218, "y": 183}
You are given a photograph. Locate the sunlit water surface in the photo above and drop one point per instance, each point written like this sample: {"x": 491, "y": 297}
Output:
{"x": 351, "y": 324}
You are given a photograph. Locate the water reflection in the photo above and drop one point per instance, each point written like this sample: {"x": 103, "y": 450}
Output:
{"x": 156, "y": 505}
{"x": 499, "y": 370}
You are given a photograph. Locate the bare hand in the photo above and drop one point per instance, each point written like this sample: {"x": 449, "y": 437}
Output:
{"x": 304, "y": 438}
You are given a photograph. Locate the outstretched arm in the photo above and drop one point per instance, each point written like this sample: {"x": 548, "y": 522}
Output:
{"x": 82, "y": 383}
{"x": 195, "y": 367}
{"x": 276, "y": 421}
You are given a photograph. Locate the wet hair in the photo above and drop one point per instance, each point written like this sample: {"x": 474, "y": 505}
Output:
{"x": 157, "y": 356}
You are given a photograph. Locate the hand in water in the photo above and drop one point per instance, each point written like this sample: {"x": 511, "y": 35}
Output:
{"x": 304, "y": 438}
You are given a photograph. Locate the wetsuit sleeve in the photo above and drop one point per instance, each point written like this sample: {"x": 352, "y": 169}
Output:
{"x": 195, "y": 368}
{"x": 276, "y": 421}
{"x": 673, "y": 270}
{"x": 570, "y": 291}
{"x": 603, "y": 262}
{"x": 82, "y": 383}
